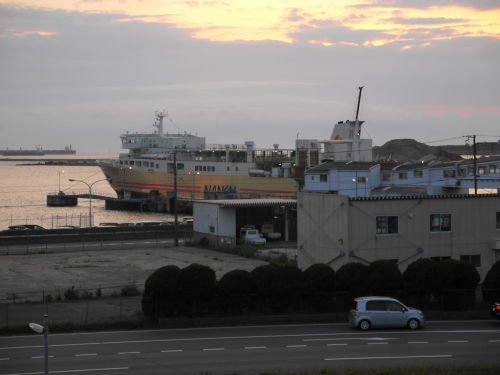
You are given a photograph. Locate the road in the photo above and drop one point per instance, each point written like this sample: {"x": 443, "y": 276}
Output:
{"x": 253, "y": 349}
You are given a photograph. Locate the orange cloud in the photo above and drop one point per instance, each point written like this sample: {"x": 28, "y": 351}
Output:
{"x": 281, "y": 20}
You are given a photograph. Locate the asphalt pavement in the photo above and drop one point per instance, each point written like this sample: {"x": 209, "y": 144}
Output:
{"x": 253, "y": 349}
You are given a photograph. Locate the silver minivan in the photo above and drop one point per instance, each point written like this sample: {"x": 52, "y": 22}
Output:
{"x": 378, "y": 312}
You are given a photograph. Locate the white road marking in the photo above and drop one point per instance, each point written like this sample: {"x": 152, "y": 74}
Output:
{"x": 342, "y": 344}
{"x": 493, "y": 340}
{"x": 296, "y": 346}
{"x": 353, "y": 338}
{"x": 85, "y": 354}
{"x": 4, "y": 359}
{"x": 212, "y": 349}
{"x": 41, "y": 356}
{"x": 418, "y": 342}
{"x": 123, "y": 353}
{"x": 457, "y": 341}
{"x": 255, "y": 347}
{"x": 172, "y": 351}
{"x": 394, "y": 357}
{"x": 70, "y": 371}
{"x": 377, "y": 343}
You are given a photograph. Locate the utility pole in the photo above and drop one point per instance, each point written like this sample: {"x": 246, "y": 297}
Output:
{"x": 474, "y": 159}
{"x": 175, "y": 201}
{"x": 475, "y": 163}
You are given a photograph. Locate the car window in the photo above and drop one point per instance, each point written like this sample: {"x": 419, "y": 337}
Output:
{"x": 354, "y": 305}
{"x": 375, "y": 306}
{"x": 393, "y": 306}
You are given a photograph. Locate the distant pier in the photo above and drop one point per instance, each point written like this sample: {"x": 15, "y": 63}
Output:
{"x": 62, "y": 161}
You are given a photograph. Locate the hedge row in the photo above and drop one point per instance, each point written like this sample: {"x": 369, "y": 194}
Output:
{"x": 193, "y": 291}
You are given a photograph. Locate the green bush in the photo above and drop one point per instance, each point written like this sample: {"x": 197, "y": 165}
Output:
{"x": 318, "y": 288}
{"x": 278, "y": 288}
{"x": 235, "y": 292}
{"x": 420, "y": 280}
{"x": 385, "y": 278}
{"x": 196, "y": 289}
{"x": 72, "y": 294}
{"x": 353, "y": 278}
{"x": 491, "y": 283}
{"x": 456, "y": 282}
{"x": 161, "y": 292}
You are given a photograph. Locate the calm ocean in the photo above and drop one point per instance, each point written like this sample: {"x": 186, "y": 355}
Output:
{"x": 24, "y": 189}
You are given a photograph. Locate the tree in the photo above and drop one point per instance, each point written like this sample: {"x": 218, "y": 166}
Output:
{"x": 318, "y": 291}
{"x": 161, "y": 292}
{"x": 235, "y": 291}
{"x": 491, "y": 283}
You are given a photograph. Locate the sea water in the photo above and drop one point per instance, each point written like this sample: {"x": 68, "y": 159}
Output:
{"x": 24, "y": 189}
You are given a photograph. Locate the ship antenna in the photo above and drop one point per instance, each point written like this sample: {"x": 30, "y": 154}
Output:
{"x": 359, "y": 101}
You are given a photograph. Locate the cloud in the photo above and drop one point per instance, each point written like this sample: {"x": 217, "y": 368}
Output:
{"x": 422, "y": 4}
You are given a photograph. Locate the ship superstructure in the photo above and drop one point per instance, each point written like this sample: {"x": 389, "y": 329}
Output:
{"x": 160, "y": 162}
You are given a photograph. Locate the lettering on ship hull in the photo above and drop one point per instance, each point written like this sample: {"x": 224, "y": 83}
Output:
{"x": 220, "y": 189}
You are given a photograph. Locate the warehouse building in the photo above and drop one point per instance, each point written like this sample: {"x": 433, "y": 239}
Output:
{"x": 338, "y": 229}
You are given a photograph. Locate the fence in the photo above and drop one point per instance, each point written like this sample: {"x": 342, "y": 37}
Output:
{"x": 78, "y": 306}
{"x": 49, "y": 221}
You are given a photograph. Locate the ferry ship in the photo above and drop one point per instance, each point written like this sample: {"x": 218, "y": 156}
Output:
{"x": 157, "y": 164}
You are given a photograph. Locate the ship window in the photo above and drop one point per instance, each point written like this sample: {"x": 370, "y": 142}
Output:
{"x": 323, "y": 178}
{"x": 386, "y": 177}
{"x": 213, "y": 169}
{"x": 121, "y": 162}
{"x": 236, "y": 168}
{"x": 204, "y": 168}
{"x": 448, "y": 173}
{"x": 125, "y": 162}
{"x": 180, "y": 165}
{"x": 418, "y": 173}
{"x": 403, "y": 175}
{"x": 132, "y": 162}
{"x": 139, "y": 163}
{"x": 470, "y": 171}
{"x": 462, "y": 172}
{"x": 157, "y": 166}
{"x": 482, "y": 170}
{"x": 494, "y": 169}
{"x": 196, "y": 168}
{"x": 227, "y": 168}
{"x": 360, "y": 179}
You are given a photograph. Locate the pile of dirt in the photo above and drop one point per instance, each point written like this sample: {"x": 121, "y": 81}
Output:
{"x": 408, "y": 150}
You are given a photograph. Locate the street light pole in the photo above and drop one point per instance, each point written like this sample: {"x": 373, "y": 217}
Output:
{"x": 90, "y": 194}
{"x": 45, "y": 330}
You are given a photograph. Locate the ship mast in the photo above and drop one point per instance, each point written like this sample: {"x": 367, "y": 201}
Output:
{"x": 159, "y": 121}
{"x": 359, "y": 101}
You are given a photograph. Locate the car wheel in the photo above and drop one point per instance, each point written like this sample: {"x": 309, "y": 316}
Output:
{"x": 413, "y": 324}
{"x": 364, "y": 325}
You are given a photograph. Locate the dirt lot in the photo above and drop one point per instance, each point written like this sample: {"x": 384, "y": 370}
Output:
{"x": 29, "y": 275}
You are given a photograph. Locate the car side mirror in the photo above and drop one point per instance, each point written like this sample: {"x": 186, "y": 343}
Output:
{"x": 403, "y": 309}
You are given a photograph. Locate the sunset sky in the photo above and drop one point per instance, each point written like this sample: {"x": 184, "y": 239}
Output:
{"x": 82, "y": 72}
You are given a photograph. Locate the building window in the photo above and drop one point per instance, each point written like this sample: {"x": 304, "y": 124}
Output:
{"x": 196, "y": 168}
{"x": 462, "y": 172}
{"x": 180, "y": 165}
{"x": 386, "y": 177}
{"x": 403, "y": 175}
{"x": 387, "y": 224}
{"x": 157, "y": 165}
{"x": 475, "y": 260}
{"x": 440, "y": 223}
{"x": 494, "y": 169}
{"x": 449, "y": 173}
{"x": 482, "y": 170}
{"x": 323, "y": 178}
{"x": 418, "y": 173}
